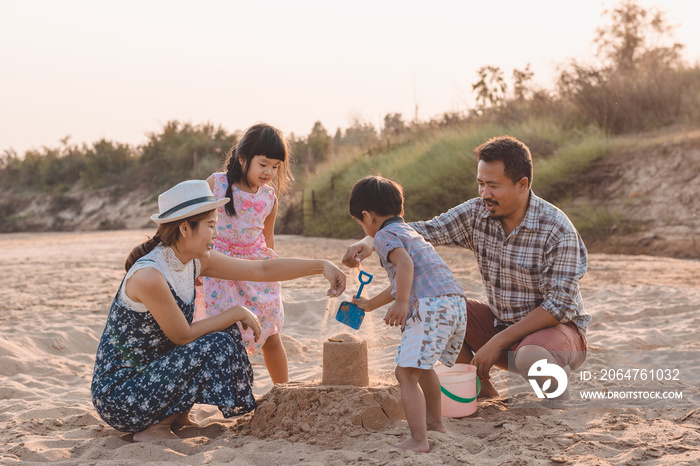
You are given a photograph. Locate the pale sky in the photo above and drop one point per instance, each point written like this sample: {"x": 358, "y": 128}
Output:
{"x": 122, "y": 69}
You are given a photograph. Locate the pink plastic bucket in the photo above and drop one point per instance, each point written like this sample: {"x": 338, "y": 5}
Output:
{"x": 460, "y": 387}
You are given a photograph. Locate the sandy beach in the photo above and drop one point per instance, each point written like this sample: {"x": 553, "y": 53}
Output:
{"x": 57, "y": 288}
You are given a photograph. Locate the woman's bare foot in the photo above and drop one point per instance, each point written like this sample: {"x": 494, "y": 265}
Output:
{"x": 414, "y": 445}
{"x": 487, "y": 389}
{"x": 160, "y": 431}
{"x": 183, "y": 419}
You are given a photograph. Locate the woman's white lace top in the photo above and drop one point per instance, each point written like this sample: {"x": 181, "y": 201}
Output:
{"x": 180, "y": 276}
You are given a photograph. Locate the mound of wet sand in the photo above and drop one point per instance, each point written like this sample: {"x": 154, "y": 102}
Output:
{"x": 324, "y": 414}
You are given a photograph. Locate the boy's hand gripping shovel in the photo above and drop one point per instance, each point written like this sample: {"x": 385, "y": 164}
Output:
{"x": 348, "y": 313}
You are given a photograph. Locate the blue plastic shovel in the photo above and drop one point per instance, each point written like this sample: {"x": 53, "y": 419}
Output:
{"x": 348, "y": 313}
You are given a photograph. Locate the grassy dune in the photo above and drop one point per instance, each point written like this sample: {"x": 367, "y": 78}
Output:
{"x": 438, "y": 171}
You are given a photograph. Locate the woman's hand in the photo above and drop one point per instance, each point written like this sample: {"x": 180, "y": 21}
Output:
{"x": 249, "y": 321}
{"x": 336, "y": 278}
{"x": 356, "y": 252}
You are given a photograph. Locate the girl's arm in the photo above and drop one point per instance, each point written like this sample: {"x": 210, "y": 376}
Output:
{"x": 148, "y": 286}
{"x": 218, "y": 265}
{"x": 269, "y": 228}
{"x": 396, "y": 316}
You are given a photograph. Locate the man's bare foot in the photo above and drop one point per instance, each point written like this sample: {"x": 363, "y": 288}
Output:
{"x": 414, "y": 445}
{"x": 158, "y": 431}
{"x": 487, "y": 389}
{"x": 437, "y": 427}
{"x": 564, "y": 396}
{"x": 183, "y": 419}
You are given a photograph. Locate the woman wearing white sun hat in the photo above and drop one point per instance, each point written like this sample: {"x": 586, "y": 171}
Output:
{"x": 152, "y": 362}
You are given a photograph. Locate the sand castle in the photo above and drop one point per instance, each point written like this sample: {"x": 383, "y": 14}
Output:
{"x": 345, "y": 361}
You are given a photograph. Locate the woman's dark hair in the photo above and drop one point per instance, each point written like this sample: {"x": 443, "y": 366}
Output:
{"x": 167, "y": 233}
{"x": 260, "y": 139}
{"x": 515, "y": 155}
{"x": 376, "y": 194}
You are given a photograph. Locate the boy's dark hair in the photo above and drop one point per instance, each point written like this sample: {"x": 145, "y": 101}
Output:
{"x": 514, "y": 154}
{"x": 376, "y": 194}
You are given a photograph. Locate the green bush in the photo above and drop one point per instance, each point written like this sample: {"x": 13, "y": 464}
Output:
{"x": 105, "y": 164}
{"x": 180, "y": 151}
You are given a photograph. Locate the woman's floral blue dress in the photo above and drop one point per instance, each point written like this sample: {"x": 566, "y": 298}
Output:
{"x": 141, "y": 377}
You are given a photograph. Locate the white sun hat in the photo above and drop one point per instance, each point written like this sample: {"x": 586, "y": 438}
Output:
{"x": 186, "y": 199}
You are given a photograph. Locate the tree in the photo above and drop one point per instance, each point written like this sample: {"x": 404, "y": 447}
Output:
{"x": 105, "y": 163}
{"x": 338, "y": 138}
{"x": 491, "y": 88}
{"x": 634, "y": 33}
{"x": 639, "y": 84}
{"x": 393, "y": 124}
{"x": 10, "y": 165}
{"x": 319, "y": 143}
{"x": 360, "y": 133}
{"x": 184, "y": 150}
{"x": 521, "y": 83}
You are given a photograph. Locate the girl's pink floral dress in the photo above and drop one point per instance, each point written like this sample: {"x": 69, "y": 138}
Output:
{"x": 242, "y": 237}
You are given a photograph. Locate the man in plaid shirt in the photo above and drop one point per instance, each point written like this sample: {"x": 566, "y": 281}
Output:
{"x": 531, "y": 259}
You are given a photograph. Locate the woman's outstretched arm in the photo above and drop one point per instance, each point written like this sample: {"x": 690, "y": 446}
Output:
{"x": 218, "y": 265}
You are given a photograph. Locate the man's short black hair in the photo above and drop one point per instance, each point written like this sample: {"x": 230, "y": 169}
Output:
{"x": 515, "y": 156}
{"x": 376, "y": 194}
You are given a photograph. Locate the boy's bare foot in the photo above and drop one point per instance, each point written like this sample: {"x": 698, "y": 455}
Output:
{"x": 437, "y": 427}
{"x": 158, "y": 431}
{"x": 487, "y": 389}
{"x": 413, "y": 445}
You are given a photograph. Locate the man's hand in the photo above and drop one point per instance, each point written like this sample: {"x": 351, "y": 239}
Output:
{"x": 486, "y": 357}
{"x": 357, "y": 252}
{"x": 396, "y": 315}
{"x": 489, "y": 353}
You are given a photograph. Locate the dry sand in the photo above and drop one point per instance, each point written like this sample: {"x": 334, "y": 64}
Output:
{"x": 57, "y": 288}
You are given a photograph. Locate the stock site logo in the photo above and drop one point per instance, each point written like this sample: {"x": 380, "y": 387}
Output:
{"x": 542, "y": 368}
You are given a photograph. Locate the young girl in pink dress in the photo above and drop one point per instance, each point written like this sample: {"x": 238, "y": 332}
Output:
{"x": 245, "y": 227}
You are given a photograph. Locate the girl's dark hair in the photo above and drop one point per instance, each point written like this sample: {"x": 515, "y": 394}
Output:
{"x": 167, "y": 233}
{"x": 376, "y": 194}
{"x": 259, "y": 139}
